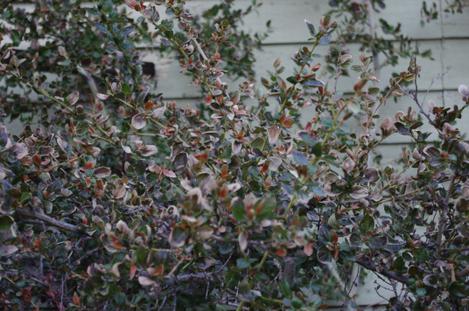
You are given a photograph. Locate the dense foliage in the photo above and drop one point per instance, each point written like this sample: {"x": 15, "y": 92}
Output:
{"x": 114, "y": 198}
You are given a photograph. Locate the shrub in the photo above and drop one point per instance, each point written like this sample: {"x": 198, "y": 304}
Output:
{"x": 117, "y": 199}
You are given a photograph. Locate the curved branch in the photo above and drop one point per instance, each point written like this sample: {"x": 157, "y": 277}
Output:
{"x": 25, "y": 212}
{"x": 368, "y": 264}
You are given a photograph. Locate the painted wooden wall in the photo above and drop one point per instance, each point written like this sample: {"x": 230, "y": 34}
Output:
{"x": 447, "y": 37}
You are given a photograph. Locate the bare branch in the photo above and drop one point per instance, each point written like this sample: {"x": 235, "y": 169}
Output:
{"x": 25, "y": 212}
{"x": 389, "y": 274}
{"x": 199, "y": 49}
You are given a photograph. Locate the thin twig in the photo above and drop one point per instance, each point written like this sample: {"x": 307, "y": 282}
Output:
{"x": 163, "y": 303}
{"x": 62, "y": 293}
{"x": 199, "y": 49}
{"x": 89, "y": 80}
{"x": 47, "y": 219}
{"x": 353, "y": 283}
{"x": 422, "y": 111}
{"x": 175, "y": 303}
{"x": 389, "y": 274}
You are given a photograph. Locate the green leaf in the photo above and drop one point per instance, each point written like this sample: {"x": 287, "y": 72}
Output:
{"x": 399, "y": 264}
{"x": 296, "y": 303}
{"x": 458, "y": 289}
{"x": 268, "y": 208}
{"x": 284, "y": 288}
{"x": 300, "y": 158}
{"x": 141, "y": 254}
{"x": 308, "y": 139}
{"x": 310, "y": 27}
{"x": 126, "y": 89}
{"x": 421, "y": 292}
{"x": 258, "y": 143}
{"x": 317, "y": 149}
{"x": 238, "y": 211}
{"x": 178, "y": 237}
{"x": 25, "y": 196}
{"x": 373, "y": 90}
{"x": 402, "y": 129}
{"x": 421, "y": 255}
{"x": 119, "y": 298}
{"x": 6, "y": 222}
{"x": 367, "y": 224}
{"x": 292, "y": 79}
{"x": 242, "y": 263}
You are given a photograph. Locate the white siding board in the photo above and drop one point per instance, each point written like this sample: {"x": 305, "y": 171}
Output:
{"x": 288, "y": 25}
{"x": 175, "y": 85}
{"x": 456, "y": 63}
{"x": 406, "y": 12}
{"x": 457, "y": 25}
{"x": 288, "y": 18}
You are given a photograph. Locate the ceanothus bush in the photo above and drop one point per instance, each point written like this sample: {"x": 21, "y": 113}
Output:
{"x": 114, "y": 198}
